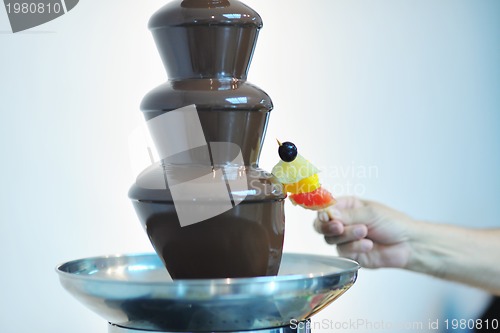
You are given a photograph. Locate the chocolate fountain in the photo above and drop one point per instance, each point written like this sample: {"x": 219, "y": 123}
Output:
{"x": 215, "y": 219}
{"x": 208, "y": 209}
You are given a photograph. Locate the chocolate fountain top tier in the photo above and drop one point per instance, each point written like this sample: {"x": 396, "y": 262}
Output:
{"x": 206, "y": 38}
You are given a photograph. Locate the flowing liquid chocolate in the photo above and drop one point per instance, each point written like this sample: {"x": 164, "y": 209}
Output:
{"x": 246, "y": 242}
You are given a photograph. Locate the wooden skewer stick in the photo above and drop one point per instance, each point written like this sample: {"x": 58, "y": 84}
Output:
{"x": 330, "y": 216}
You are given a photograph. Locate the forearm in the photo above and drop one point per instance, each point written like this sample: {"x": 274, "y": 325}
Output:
{"x": 470, "y": 256}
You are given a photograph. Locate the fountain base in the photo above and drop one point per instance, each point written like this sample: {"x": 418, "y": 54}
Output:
{"x": 301, "y": 327}
{"x": 135, "y": 293}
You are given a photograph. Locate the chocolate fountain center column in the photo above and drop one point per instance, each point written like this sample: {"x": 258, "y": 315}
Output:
{"x": 207, "y": 105}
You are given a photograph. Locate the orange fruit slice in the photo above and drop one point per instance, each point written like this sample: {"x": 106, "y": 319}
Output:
{"x": 308, "y": 184}
{"x": 315, "y": 200}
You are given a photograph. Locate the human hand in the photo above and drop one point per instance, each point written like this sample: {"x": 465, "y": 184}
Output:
{"x": 368, "y": 232}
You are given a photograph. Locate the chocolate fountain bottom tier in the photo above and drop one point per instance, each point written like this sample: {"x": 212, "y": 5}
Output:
{"x": 246, "y": 241}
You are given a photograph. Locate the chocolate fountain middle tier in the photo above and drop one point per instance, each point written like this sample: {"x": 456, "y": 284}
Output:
{"x": 229, "y": 110}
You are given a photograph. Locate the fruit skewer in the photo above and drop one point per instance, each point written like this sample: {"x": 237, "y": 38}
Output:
{"x": 300, "y": 179}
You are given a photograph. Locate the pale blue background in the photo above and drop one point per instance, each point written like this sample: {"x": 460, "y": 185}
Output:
{"x": 408, "y": 88}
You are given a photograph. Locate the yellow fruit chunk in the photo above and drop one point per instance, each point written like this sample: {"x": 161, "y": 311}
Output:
{"x": 294, "y": 171}
{"x": 305, "y": 185}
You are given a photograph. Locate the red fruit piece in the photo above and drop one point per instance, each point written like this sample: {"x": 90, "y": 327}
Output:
{"x": 315, "y": 200}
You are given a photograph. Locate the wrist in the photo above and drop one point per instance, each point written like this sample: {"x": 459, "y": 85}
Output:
{"x": 435, "y": 249}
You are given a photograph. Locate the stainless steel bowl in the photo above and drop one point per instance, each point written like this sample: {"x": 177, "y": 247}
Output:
{"x": 135, "y": 291}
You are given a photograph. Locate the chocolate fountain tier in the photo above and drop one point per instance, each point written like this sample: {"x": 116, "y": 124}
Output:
{"x": 205, "y": 38}
{"x": 136, "y": 293}
{"x": 228, "y": 110}
{"x": 209, "y": 233}
{"x": 245, "y": 241}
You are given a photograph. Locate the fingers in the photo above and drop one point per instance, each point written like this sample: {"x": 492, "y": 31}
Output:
{"x": 335, "y": 231}
{"x": 324, "y": 225}
{"x": 359, "y": 251}
{"x": 354, "y": 249}
{"x": 351, "y": 233}
{"x": 346, "y": 225}
{"x": 348, "y": 211}
{"x": 331, "y": 228}
{"x": 351, "y": 210}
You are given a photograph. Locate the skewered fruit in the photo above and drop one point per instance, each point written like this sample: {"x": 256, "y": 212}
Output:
{"x": 300, "y": 178}
{"x": 315, "y": 200}
{"x": 287, "y": 151}
{"x": 292, "y": 172}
